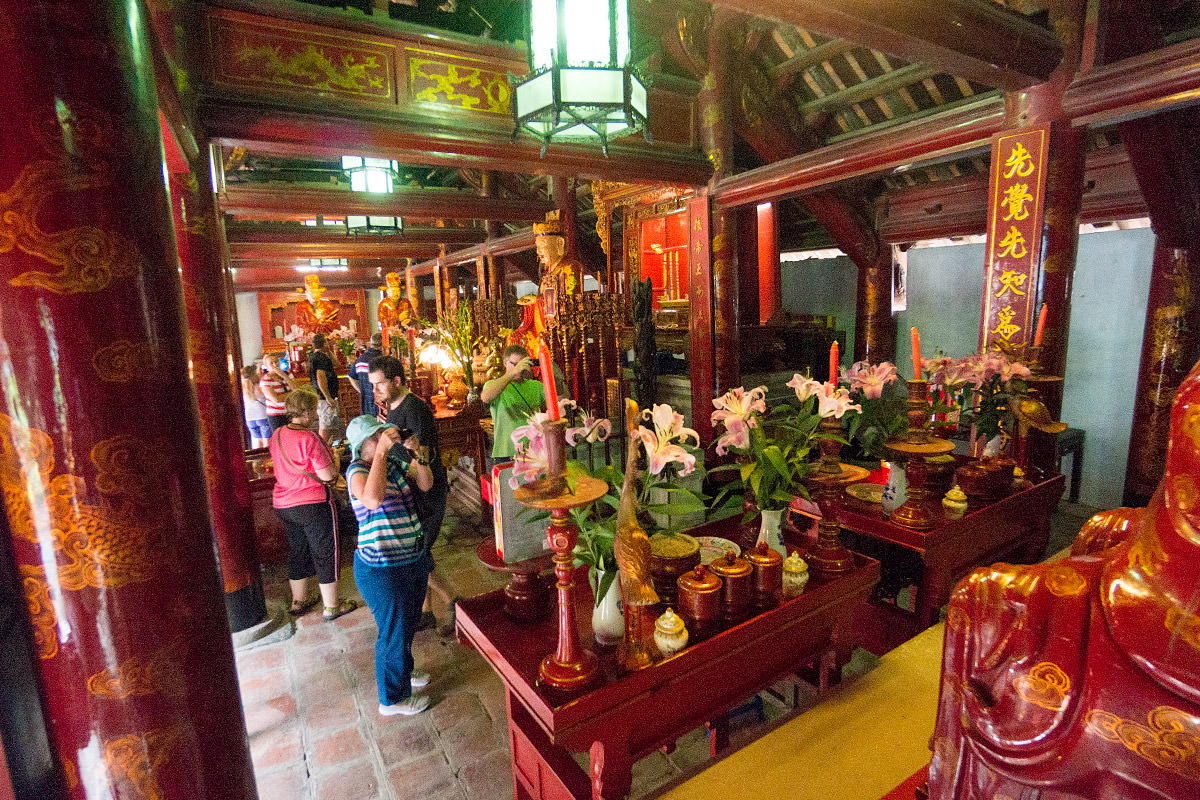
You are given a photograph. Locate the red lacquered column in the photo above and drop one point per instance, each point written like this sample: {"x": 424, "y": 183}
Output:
{"x": 212, "y": 368}
{"x": 1168, "y": 351}
{"x": 99, "y": 440}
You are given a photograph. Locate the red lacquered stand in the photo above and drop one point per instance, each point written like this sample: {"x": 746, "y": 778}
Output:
{"x": 525, "y": 595}
{"x": 571, "y": 667}
{"x": 914, "y": 447}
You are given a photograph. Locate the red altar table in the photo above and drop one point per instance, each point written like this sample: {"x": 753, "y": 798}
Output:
{"x": 1015, "y": 528}
{"x": 630, "y": 715}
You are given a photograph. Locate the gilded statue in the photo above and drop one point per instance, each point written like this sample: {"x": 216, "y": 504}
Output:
{"x": 561, "y": 277}
{"x": 394, "y": 311}
{"x": 631, "y": 545}
{"x": 315, "y": 314}
{"x": 1081, "y": 677}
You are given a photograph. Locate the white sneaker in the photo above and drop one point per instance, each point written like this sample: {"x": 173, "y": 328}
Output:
{"x": 419, "y": 678}
{"x": 413, "y": 705}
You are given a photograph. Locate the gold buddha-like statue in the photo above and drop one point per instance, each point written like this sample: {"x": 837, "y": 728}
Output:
{"x": 561, "y": 277}
{"x": 394, "y": 311}
{"x": 315, "y": 314}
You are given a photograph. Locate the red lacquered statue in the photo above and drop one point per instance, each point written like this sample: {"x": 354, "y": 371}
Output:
{"x": 1081, "y": 678}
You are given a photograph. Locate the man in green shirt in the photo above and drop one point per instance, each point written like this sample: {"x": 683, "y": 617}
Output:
{"x": 512, "y": 398}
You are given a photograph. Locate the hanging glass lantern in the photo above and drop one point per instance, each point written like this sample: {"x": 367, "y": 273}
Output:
{"x": 580, "y": 84}
{"x": 385, "y": 225}
{"x": 376, "y": 175}
{"x": 325, "y": 265}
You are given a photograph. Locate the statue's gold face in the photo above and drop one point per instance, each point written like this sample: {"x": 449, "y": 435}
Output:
{"x": 312, "y": 283}
{"x": 393, "y": 284}
{"x": 549, "y": 249}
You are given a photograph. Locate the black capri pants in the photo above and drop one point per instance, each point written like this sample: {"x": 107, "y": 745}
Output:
{"x": 311, "y": 532}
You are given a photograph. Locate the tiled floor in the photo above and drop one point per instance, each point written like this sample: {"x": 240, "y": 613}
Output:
{"x": 315, "y": 733}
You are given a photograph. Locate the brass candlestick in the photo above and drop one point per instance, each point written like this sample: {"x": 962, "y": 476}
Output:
{"x": 829, "y": 556}
{"x": 914, "y": 447}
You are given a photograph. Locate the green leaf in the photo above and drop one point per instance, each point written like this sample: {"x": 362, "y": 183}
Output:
{"x": 605, "y": 582}
{"x": 746, "y": 470}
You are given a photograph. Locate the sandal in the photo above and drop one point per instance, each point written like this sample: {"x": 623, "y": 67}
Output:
{"x": 301, "y": 607}
{"x": 342, "y": 608}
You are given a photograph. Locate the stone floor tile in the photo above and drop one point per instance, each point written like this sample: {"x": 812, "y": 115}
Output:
{"x": 423, "y": 778}
{"x": 355, "y": 782}
{"x": 489, "y": 777}
{"x": 275, "y": 747}
{"x": 278, "y": 712}
{"x": 458, "y": 707}
{"x": 317, "y": 686}
{"x": 652, "y": 771}
{"x": 468, "y": 739}
{"x": 264, "y": 686}
{"x": 337, "y": 748}
{"x": 335, "y": 712}
{"x": 404, "y": 739}
{"x": 313, "y": 636}
{"x": 315, "y": 659}
{"x": 270, "y": 657}
{"x": 283, "y": 784}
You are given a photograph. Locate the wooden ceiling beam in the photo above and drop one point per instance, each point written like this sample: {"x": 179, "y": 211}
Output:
{"x": 418, "y": 142}
{"x": 871, "y": 88}
{"x": 973, "y": 39}
{"x": 501, "y": 246}
{"x": 286, "y": 278}
{"x": 786, "y": 72}
{"x": 423, "y": 204}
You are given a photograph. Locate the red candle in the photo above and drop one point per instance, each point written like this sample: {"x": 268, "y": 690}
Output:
{"x": 545, "y": 363}
{"x": 833, "y": 362}
{"x": 916, "y": 354}
{"x": 1041, "y": 327}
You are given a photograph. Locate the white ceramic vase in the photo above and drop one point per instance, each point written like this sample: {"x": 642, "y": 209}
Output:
{"x": 770, "y": 531}
{"x": 895, "y": 492}
{"x": 608, "y": 621}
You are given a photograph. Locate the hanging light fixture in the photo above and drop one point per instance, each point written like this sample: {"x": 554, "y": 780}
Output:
{"x": 376, "y": 175}
{"x": 385, "y": 225}
{"x": 580, "y": 84}
{"x": 325, "y": 265}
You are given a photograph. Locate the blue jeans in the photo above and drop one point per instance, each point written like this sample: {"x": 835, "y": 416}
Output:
{"x": 395, "y": 596}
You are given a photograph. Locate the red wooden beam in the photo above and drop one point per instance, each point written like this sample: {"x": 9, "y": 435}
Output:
{"x": 415, "y": 141}
{"x": 973, "y": 39}
{"x": 503, "y": 246}
{"x": 284, "y": 278}
{"x": 931, "y": 138}
{"x": 423, "y": 204}
{"x": 392, "y": 247}
{"x": 1133, "y": 87}
{"x": 959, "y": 207}
{"x": 453, "y": 237}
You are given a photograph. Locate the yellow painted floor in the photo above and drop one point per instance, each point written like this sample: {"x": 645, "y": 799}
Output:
{"x": 860, "y": 740}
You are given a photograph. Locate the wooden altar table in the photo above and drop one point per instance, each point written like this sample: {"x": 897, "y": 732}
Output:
{"x": 631, "y": 715}
{"x": 1015, "y": 528}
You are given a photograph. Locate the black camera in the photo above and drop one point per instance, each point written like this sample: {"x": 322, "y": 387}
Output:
{"x": 404, "y": 435}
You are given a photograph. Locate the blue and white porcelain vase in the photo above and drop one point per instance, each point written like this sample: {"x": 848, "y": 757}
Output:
{"x": 895, "y": 491}
{"x": 770, "y": 530}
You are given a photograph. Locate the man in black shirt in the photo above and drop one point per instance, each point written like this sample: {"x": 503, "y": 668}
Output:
{"x": 324, "y": 379}
{"x": 400, "y": 407}
{"x": 360, "y": 378}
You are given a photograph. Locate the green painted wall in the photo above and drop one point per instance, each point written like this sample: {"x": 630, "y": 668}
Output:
{"x": 826, "y": 286}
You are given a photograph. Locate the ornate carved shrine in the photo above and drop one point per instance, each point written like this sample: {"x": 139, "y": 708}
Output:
{"x": 279, "y": 311}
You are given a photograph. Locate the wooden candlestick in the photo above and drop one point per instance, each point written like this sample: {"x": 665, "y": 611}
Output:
{"x": 571, "y": 667}
{"x": 913, "y": 448}
{"x": 829, "y": 556}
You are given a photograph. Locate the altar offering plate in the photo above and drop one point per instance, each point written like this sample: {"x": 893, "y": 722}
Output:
{"x": 714, "y": 547}
{"x": 867, "y": 492}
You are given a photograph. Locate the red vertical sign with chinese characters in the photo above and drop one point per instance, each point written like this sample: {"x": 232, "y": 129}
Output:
{"x": 1014, "y": 237}
{"x": 700, "y": 318}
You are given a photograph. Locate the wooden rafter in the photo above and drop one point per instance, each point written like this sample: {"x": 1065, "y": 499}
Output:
{"x": 974, "y": 39}
{"x": 783, "y": 74}
{"x": 422, "y": 204}
{"x": 872, "y": 88}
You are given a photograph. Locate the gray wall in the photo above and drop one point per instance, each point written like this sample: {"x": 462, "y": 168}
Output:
{"x": 822, "y": 286}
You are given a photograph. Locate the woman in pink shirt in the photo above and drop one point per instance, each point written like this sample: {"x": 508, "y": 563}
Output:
{"x": 303, "y": 462}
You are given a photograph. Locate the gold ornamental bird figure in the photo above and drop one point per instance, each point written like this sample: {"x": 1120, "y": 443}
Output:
{"x": 631, "y": 545}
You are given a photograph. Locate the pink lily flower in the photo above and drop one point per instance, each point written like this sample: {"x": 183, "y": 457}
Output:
{"x": 870, "y": 379}
{"x": 834, "y": 401}
{"x": 593, "y": 430}
{"x": 805, "y": 387}
{"x": 737, "y": 435}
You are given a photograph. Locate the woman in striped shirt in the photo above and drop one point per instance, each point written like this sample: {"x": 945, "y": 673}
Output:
{"x": 391, "y": 564}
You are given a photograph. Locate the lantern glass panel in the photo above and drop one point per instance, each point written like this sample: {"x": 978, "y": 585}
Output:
{"x": 587, "y": 29}
{"x": 536, "y": 94}
{"x": 593, "y": 86}
{"x": 543, "y": 34}
{"x": 637, "y": 95}
{"x": 622, "y": 33}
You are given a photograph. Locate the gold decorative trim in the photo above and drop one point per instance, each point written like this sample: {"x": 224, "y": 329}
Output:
{"x": 41, "y": 610}
{"x": 137, "y": 759}
{"x": 1046, "y": 685}
{"x": 957, "y": 619}
{"x": 486, "y": 90}
{"x": 1170, "y": 740}
{"x": 1063, "y": 581}
{"x": 138, "y": 677}
{"x": 89, "y": 258}
{"x": 1184, "y": 625}
{"x": 120, "y": 361}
